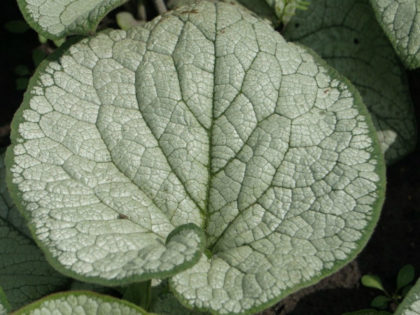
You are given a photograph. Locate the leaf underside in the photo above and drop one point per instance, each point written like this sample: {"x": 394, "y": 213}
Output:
{"x": 57, "y": 19}
{"x": 411, "y": 303}
{"x": 400, "y": 20}
{"x": 204, "y": 117}
{"x": 347, "y": 35}
{"x": 81, "y": 302}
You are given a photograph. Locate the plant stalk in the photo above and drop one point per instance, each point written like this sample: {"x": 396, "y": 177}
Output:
{"x": 160, "y": 6}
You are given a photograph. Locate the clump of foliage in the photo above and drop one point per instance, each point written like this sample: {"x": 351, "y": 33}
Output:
{"x": 201, "y": 148}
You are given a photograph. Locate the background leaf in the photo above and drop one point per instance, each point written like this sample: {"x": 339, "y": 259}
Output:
{"x": 372, "y": 281}
{"x": 400, "y": 19}
{"x": 347, "y": 35}
{"x": 57, "y": 19}
{"x": 405, "y": 276}
{"x": 81, "y": 302}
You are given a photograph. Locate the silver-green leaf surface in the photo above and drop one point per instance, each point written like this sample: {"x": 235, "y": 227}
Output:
{"x": 55, "y": 19}
{"x": 81, "y": 302}
{"x": 411, "y": 303}
{"x": 25, "y": 275}
{"x": 400, "y": 19}
{"x": 347, "y": 35}
{"x": 203, "y": 117}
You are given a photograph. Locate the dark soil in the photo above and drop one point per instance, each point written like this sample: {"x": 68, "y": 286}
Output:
{"x": 395, "y": 242}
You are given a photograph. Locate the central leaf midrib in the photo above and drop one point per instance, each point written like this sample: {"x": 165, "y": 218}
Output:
{"x": 210, "y": 132}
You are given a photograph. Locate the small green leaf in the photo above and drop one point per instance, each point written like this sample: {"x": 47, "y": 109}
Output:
{"x": 372, "y": 281}
{"x": 411, "y": 303}
{"x": 57, "y": 19}
{"x": 405, "y": 276}
{"x": 381, "y": 302}
{"x": 400, "y": 19}
{"x": 16, "y": 26}
{"x": 81, "y": 302}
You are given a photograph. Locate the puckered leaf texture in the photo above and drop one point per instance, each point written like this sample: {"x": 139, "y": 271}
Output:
{"x": 347, "y": 35}
{"x": 400, "y": 19}
{"x": 59, "y": 18}
{"x": 135, "y": 149}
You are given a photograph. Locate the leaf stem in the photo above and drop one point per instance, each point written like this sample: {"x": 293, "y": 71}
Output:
{"x": 160, "y": 6}
{"x": 141, "y": 10}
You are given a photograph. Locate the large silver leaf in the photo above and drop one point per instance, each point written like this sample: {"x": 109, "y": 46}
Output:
{"x": 203, "y": 117}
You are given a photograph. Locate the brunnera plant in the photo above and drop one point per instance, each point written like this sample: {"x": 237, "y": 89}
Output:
{"x": 201, "y": 148}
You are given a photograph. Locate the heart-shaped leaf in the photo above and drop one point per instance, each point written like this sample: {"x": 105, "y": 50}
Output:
{"x": 400, "y": 19}
{"x": 81, "y": 302}
{"x": 203, "y": 117}
{"x": 57, "y": 19}
{"x": 411, "y": 303}
{"x": 347, "y": 35}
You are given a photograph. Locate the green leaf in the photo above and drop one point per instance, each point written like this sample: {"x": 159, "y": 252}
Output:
{"x": 405, "y": 276}
{"x": 347, "y": 35}
{"x": 16, "y": 26}
{"x": 381, "y": 302}
{"x": 411, "y": 303}
{"x": 80, "y": 302}
{"x": 57, "y": 19}
{"x": 4, "y": 304}
{"x": 400, "y": 19}
{"x": 204, "y": 117}
{"x": 372, "y": 281}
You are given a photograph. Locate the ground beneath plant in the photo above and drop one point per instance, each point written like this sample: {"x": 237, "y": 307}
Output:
{"x": 395, "y": 242}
